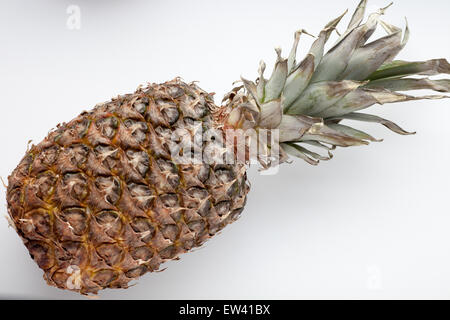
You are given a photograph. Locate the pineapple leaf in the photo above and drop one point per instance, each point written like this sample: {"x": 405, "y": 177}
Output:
{"x": 372, "y": 118}
{"x": 271, "y": 113}
{"x": 336, "y": 60}
{"x": 406, "y": 84}
{"x": 293, "y": 54}
{"x": 362, "y": 98}
{"x": 298, "y": 80}
{"x": 310, "y": 153}
{"x": 352, "y": 132}
{"x": 275, "y": 85}
{"x": 318, "y": 45}
{"x": 404, "y": 68}
{"x": 296, "y": 151}
{"x": 321, "y": 95}
{"x": 322, "y": 133}
{"x": 260, "y": 87}
{"x": 292, "y": 128}
{"x": 367, "y": 59}
{"x": 319, "y": 145}
{"x": 358, "y": 15}
{"x": 251, "y": 88}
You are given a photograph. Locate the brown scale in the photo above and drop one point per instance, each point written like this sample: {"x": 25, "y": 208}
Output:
{"x": 99, "y": 202}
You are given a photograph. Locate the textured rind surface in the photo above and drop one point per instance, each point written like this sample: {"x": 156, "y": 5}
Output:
{"x": 99, "y": 202}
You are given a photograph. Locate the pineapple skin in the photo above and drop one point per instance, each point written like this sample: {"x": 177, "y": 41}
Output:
{"x": 99, "y": 202}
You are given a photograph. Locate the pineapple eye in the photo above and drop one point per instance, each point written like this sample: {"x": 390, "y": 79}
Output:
{"x": 24, "y": 166}
{"x": 36, "y": 224}
{"x": 139, "y": 160}
{"x": 41, "y": 253}
{"x": 104, "y": 277}
{"x": 75, "y": 186}
{"x": 144, "y": 227}
{"x": 15, "y": 202}
{"x": 194, "y": 106}
{"x": 224, "y": 175}
{"x": 169, "y": 200}
{"x": 171, "y": 114}
{"x": 110, "y": 222}
{"x": 141, "y": 105}
{"x": 41, "y": 222}
{"x": 223, "y": 207}
{"x": 169, "y": 169}
{"x": 77, "y": 155}
{"x": 164, "y": 133}
{"x": 74, "y": 249}
{"x": 168, "y": 253}
{"x": 136, "y": 272}
{"x": 75, "y": 254}
{"x": 170, "y": 232}
{"x": 169, "y": 110}
{"x": 60, "y": 277}
{"x": 175, "y": 92}
{"x": 82, "y": 127}
{"x": 110, "y": 187}
{"x": 197, "y": 226}
{"x": 197, "y": 193}
{"x": 236, "y": 214}
{"x": 142, "y": 253}
{"x": 76, "y": 218}
{"x": 107, "y": 155}
{"x": 47, "y": 156}
{"x": 142, "y": 194}
{"x": 166, "y": 165}
{"x": 45, "y": 183}
{"x": 203, "y": 173}
{"x": 107, "y": 126}
{"x": 198, "y": 199}
{"x": 110, "y": 252}
{"x": 138, "y": 129}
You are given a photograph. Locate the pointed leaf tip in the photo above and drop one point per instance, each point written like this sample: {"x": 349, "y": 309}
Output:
{"x": 405, "y": 68}
{"x": 293, "y": 53}
{"x": 358, "y": 15}
{"x": 375, "y": 119}
{"x": 275, "y": 84}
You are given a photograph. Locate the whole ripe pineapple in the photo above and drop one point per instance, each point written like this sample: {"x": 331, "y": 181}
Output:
{"x": 103, "y": 199}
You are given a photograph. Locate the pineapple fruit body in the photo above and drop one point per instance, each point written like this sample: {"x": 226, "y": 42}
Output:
{"x": 100, "y": 202}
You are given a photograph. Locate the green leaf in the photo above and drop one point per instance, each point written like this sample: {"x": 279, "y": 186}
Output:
{"x": 372, "y": 118}
{"x": 358, "y": 15}
{"x": 352, "y": 132}
{"x": 405, "y": 84}
{"x": 275, "y": 85}
{"x": 362, "y": 98}
{"x": 296, "y": 151}
{"x": 367, "y": 59}
{"x": 405, "y": 68}
{"x": 323, "y": 133}
{"x": 298, "y": 81}
{"x": 321, "y": 95}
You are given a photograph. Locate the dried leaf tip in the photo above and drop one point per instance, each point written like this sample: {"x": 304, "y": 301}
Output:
{"x": 293, "y": 53}
{"x": 278, "y": 52}
{"x": 262, "y": 68}
{"x": 358, "y": 15}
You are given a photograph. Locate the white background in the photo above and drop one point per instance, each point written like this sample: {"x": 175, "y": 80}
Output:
{"x": 372, "y": 223}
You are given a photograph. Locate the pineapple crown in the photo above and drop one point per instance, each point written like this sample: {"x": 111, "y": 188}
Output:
{"x": 307, "y": 100}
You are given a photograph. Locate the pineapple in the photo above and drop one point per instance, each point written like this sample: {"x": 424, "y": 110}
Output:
{"x": 104, "y": 198}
